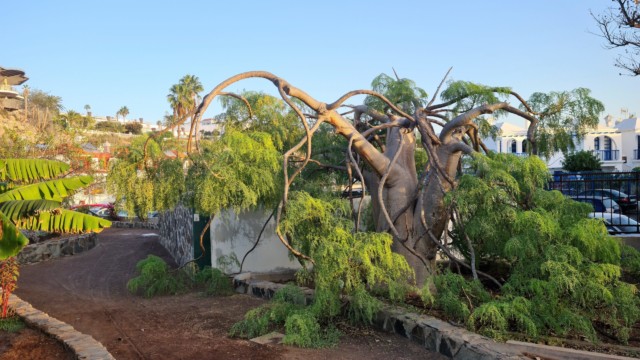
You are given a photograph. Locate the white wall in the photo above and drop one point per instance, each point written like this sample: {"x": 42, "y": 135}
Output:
{"x": 231, "y": 234}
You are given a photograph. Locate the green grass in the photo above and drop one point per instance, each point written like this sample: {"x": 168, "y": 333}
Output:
{"x": 11, "y": 324}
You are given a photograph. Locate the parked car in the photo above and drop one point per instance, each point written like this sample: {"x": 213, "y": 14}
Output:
{"x": 627, "y": 202}
{"x": 617, "y": 223}
{"x": 105, "y": 211}
{"x": 600, "y": 204}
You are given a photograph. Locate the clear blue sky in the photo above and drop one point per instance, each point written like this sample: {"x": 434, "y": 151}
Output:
{"x": 110, "y": 54}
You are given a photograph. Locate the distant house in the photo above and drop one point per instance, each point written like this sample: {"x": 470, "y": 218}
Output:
{"x": 616, "y": 144}
{"x": 10, "y": 98}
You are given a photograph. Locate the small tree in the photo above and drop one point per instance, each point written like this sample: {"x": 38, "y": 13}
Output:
{"x": 581, "y": 161}
{"x": 133, "y": 128}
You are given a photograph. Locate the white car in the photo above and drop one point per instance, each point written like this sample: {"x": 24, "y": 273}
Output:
{"x": 617, "y": 223}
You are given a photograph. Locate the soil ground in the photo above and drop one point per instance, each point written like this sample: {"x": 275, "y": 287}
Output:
{"x": 88, "y": 291}
{"x": 33, "y": 345}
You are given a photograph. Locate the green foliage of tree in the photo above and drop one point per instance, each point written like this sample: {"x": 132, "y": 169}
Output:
{"x": 564, "y": 270}
{"x": 238, "y": 172}
{"x": 31, "y": 195}
{"x": 581, "y": 161}
{"x": 402, "y": 92}
{"x": 563, "y": 117}
{"x": 111, "y": 126}
{"x": 264, "y": 114}
{"x": 133, "y": 128}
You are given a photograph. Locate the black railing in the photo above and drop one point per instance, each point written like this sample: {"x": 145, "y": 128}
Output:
{"x": 606, "y": 155}
{"x": 613, "y": 195}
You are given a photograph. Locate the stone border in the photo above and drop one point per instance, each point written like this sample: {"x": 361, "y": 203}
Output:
{"x": 55, "y": 248}
{"x": 432, "y": 333}
{"x": 134, "y": 225}
{"x": 83, "y": 346}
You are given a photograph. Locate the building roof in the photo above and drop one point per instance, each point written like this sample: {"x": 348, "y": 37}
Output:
{"x": 13, "y": 76}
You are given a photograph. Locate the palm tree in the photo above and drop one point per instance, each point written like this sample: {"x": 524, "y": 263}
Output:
{"x": 124, "y": 111}
{"x": 87, "y": 108}
{"x": 72, "y": 119}
{"x": 184, "y": 97}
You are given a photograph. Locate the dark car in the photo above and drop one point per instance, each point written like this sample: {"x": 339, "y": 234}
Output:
{"x": 600, "y": 204}
{"x": 627, "y": 202}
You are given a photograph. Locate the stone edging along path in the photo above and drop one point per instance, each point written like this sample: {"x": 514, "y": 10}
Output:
{"x": 84, "y": 346}
{"x": 434, "y": 334}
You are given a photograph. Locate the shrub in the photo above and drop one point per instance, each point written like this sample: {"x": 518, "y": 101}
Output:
{"x": 155, "y": 278}
{"x": 215, "y": 282}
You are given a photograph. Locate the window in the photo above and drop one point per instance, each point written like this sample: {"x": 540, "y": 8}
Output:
{"x": 596, "y": 143}
{"x": 524, "y": 146}
{"x": 514, "y": 147}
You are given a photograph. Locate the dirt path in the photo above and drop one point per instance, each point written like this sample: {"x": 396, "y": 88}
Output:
{"x": 88, "y": 291}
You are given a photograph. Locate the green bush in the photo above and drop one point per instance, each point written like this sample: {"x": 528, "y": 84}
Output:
{"x": 215, "y": 282}
{"x": 155, "y": 278}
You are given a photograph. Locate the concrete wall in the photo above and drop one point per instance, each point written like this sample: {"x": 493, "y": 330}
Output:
{"x": 233, "y": 234}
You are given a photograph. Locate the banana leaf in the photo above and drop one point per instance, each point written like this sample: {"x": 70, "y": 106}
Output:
{"x": 63, "y": 221}
{"x": 18, "y": 209}
{"x": 48, "y": 190}
{"x": 11, "y": 239}
{"x": 31, "y": 170}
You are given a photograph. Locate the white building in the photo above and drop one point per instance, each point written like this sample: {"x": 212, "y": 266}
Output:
{"x": 615, "y": 144}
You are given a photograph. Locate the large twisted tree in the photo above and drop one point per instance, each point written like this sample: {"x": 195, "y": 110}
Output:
{"x": 384, "y": 135}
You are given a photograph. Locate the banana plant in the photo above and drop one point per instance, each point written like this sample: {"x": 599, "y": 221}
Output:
{"x": 31, "y": 195}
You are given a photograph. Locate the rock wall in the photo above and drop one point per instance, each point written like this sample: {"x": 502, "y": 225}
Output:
{"x": 56, "y": 248}
{"x": 176, "y": 233}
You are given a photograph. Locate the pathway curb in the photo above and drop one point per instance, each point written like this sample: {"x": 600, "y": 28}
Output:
{"x": 84, "y": 346}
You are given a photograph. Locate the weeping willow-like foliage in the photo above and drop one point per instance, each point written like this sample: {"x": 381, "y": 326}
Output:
{"x": 237, "y": 172}
{"x": 564, "y": 270}
{"x": 347, "y": 265}
{"x": 31, "y": 199}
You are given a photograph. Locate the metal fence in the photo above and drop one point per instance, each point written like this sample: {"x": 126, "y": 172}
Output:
{"x": 613, "y": 195}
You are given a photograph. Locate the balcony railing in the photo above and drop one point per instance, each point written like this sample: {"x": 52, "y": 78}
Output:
{"x": 607, "y": 155}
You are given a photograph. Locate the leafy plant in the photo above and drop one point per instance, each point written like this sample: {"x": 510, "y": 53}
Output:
{"x": 155, "y": 278}
{"x": 215, "y": 282}
{"x": 31, "y": 199}
{"x": 563, "y": 271}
